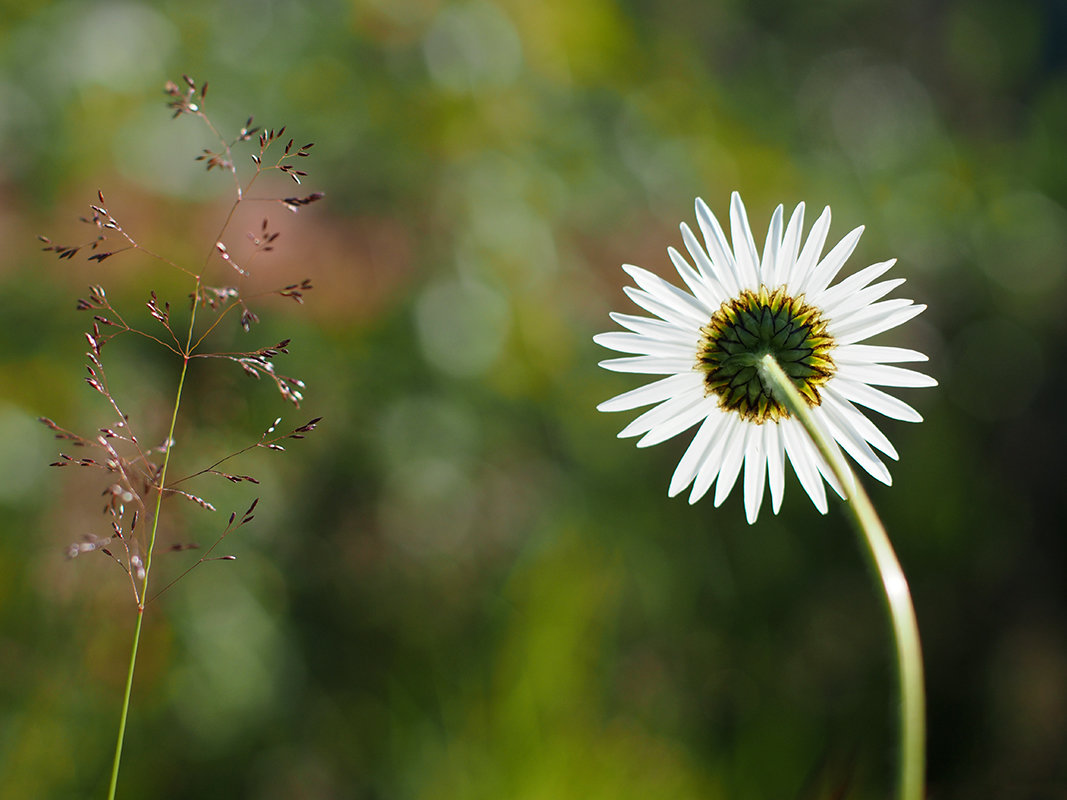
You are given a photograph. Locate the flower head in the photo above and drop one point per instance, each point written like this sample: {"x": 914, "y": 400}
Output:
{"x": 708, "y": 341}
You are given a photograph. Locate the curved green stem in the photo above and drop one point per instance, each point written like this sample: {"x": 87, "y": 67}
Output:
{"x": 125, "y": 706}
{"x": 147, "y": 571}
{"x": 895, "y": 585}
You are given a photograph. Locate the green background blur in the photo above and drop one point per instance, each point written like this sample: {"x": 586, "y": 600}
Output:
{"x": 463, "y": 585}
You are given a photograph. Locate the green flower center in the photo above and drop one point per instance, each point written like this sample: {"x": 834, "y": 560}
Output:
{"x": 749, "y": 327}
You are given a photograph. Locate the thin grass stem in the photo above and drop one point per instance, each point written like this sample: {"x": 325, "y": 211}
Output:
{"x": 148, "y": 560}
{"x": 125, "y": 705}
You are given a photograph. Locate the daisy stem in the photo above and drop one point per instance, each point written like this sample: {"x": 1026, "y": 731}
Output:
{"x": 898, "y": 597}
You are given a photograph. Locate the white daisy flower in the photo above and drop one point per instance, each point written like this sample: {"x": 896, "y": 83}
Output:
{"x": 738, "y": 308}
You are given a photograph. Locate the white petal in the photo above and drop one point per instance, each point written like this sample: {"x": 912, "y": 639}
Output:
{"x": 732, "y": 459}
{"x": 856, "y": 303}
{"x": 709, "y": 468}
{"x": 717, "y": 274}
{"x": 873, "y": 354}
{"x": 655, "y": 392}
{"x": 649, "y": 365}
{"x": 853, "y": 443}
{"x": 879, "y": 317}
{"x": 639, "y": 344}
{"x": 755, "y": 473}
{"x": 774, "y": 445}
{"x": 679, "y": 316}
{"x": 802, "y": 456}
{"x": 817, "y": 459}
{"x": 884, "y": 375}
{"x": 787, "y": 253}
{"x": 657, "y": 329}
{"x": 828, "y": 268}
{"x": 858, "y": 420}
{"x": 876, "y": 400}
{"x": 829, "y": 477}
{"x": 809, "y": 255}
{"x": 667, "y": 410}
{"x": 666, "y": 292}
{"x": 705, "y": 289}
{"x": 745, "y": 258}
{"x": 851, "y": 285}
{"x": 682, "y": 421}
{"x": 771, "y": 248}
{"x": 695, "y": 454}
{"x": 718, "y": 248}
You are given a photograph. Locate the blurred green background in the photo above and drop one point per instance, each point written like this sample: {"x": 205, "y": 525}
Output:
{"x": 463, "y": 585}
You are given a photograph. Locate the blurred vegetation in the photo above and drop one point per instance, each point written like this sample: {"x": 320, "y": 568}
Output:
{"x": 463, "y": 586}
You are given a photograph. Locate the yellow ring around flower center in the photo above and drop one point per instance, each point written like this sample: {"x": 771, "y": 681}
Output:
{"x": 749, "y": 327}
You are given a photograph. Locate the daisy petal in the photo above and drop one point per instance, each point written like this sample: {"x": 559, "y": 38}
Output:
{"x": 695, "y": 454}
{"x": 666, "y": 292}
{"x": 775, "y": 464}
{"x": 755, "y": 474}
{"x": 719, "y": 250}
{"x": 639, "y": 344}
{"x": 655, "y": 329}
{"x": 705, "y": 288}
{"x": 809, "y": 255}
{"x": 857, "y": 302}
{"x": 665, "y": 411}
{"x": 874, "y": 354}
{"x": 649, "y": 365}
{"x": 650, "y": 393}
{"x": 876, "y": 319}
{"x": 787, "y": 253}
{"x": 867, "y": 429}
{"x": 877, "y": 400}
{"x": 712, "y": 463}
{"x": 851, "y": 285}
{"x": 828, "y": 476}
{"x": 801, "y": 454}
{"x": 884, "y": 375}
{"x": 732, "y": 459}
{"x": 854, "y": 444}
{"x": 718, "y": 274}
{"x": 828, "y": 268}
{"x": 744, "y": 247}
{"x": 682, "y": 421}
{"x": 681, "y": 317}
{"x": 771, "y": 247}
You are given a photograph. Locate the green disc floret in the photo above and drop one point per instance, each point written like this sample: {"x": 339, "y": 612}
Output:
{"x": 749, "y": 327}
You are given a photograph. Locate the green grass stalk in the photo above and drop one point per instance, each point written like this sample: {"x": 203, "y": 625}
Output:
{"x": 148, "y": 555}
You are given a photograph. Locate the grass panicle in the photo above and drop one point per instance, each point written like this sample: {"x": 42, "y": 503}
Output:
{"x": 131, "y": 459}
